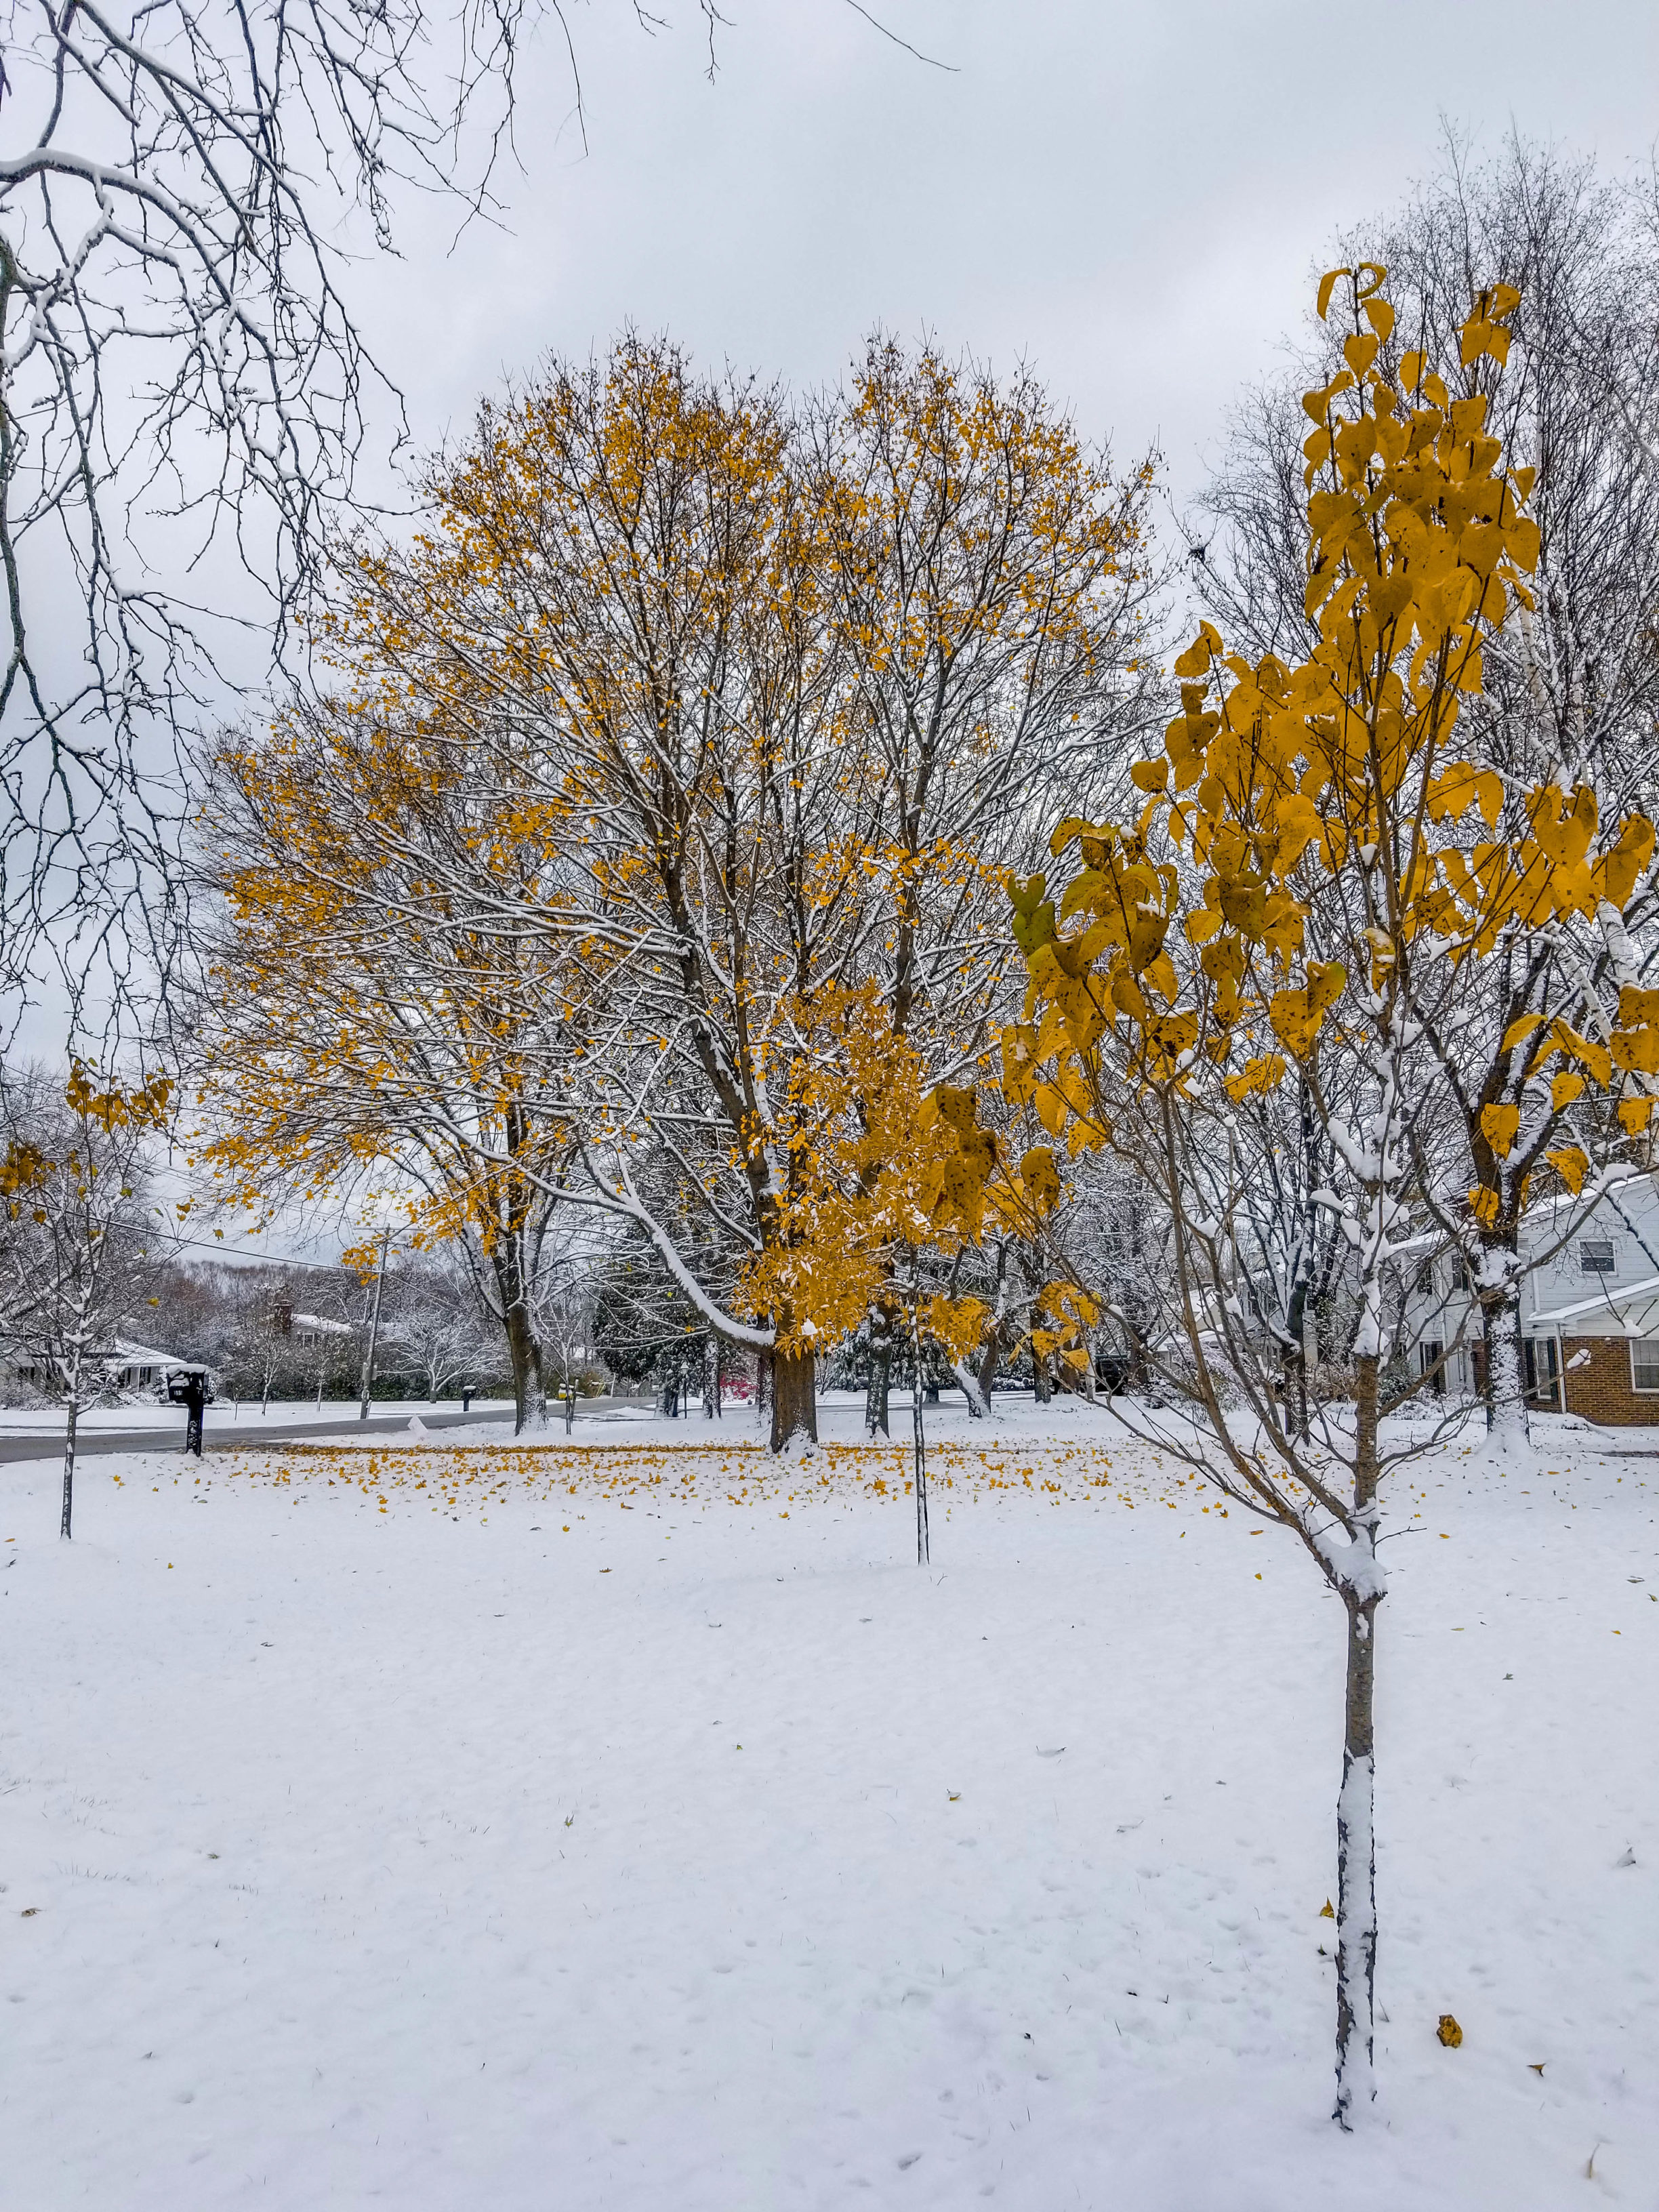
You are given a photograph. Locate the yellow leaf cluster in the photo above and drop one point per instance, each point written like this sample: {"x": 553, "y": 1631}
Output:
{"x": 1282, "y": 785}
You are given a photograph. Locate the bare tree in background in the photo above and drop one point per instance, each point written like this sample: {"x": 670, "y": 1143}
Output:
{"x": 439, "y": 1325}
{"x": 80, "y": 1243}
{"x": 185, "y": 393}
{"x": 1575, "y": 683}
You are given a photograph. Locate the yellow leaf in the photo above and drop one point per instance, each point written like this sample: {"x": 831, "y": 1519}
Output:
{"x": 1196, "y": 660}
{"x": 1041, "y": 1177}
{"x": 1519, "y": 1031}
{"x": 1298, "y": 822}
{"x": 1265, "y": 1074}
{"x": 1637, "y": 1051}
{"x": 1571, "y": 1164}
{"x": 1380, "y": 315}
{"x": 1448, "y": 2032}
{"x": 1524, "y": 544}
{"x": 1634, "y": 1114}
{"x": 1327, "y": 285}
{"x": 1585, "y": 1050}
{"x": 1565, "y": 1088}
{"x": 1628, "y": 860}
{"x": 1499, "y": 1126}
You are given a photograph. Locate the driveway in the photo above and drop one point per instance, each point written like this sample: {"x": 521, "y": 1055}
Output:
{"x": 170, "y": 1437}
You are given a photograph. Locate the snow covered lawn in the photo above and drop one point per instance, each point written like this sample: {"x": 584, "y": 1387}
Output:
{"x": 627, "y": 1830}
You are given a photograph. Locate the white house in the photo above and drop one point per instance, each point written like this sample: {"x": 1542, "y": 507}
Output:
{"x": 1589, "y": 1312}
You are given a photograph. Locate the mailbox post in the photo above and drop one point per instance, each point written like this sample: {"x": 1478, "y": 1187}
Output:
{"x": 189, "y": 1388}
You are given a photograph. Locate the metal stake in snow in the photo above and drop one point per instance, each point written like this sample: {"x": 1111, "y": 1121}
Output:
{"x": 374, "y": 1327}
{"x": 920, "y": 1434}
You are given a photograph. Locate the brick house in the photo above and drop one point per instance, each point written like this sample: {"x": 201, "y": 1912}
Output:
{"x": 1589, "y": 1314}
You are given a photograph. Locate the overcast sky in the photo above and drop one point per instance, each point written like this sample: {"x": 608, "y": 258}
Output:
{"x": 1130, "y": 194}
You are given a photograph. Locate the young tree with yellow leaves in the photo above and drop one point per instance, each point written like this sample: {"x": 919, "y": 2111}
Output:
{"x": 1570, "y": 688}
{"x": 890, "y": 1192}
{"x": 1321, "y": 888}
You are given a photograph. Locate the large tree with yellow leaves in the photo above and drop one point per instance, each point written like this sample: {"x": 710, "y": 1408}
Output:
{"x": 690, "y": 721}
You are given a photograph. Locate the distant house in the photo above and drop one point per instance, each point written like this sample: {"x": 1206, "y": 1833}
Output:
{"x": 1589, "y": 1314}
{"x": 121, "y": 1366}
{"x": 315, "y": 1328}
{"x": 129, "y": 1366}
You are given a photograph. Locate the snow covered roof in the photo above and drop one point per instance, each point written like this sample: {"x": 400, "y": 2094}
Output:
{"x": 129, "y": 1354}
{"x": 323, "y": 1325}
{"x": 1539, "y": 1210}
{"x": 1604, "y": 1301}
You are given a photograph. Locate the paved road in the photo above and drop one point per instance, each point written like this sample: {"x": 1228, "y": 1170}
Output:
{"x": 95, "y": 1441}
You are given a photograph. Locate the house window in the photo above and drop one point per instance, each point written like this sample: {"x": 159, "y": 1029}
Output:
{"x": 1541, "y": 1371}
{"x": 1644, "y": 1365}
{"x": 1595, "y": 1255}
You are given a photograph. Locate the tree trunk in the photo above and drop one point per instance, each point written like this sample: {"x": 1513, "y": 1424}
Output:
{"x": 879, "y": 1380}
{"x": 978, "y": 1405}
{"x": 990, "y": 1360}
{"x": 1299, "y": 1316}
{"x": 1505, "y": 1381}
{"x": 529, "y": 1394}
{"x": 794, "y": 1404}
{"x": 1356, "y": 1850}
{"x": 1356, "y": 1873}
{"x": 69, "y": 1467}
{"x": 711, "y": 1377}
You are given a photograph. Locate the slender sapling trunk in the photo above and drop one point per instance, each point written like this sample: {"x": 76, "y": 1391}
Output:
{"x": 63, "y": 1527}
{"x": 1361, "y": 1591}
{"x": 920, "y": 1438}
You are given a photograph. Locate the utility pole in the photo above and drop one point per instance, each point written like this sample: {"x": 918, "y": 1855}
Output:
{"x": 374, "y": 1327}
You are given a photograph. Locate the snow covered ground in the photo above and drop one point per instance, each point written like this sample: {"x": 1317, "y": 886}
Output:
{"x": 635, "y": 1828}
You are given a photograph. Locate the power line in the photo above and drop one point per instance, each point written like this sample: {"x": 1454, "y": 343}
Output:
{"x": 244, "y": 1252}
